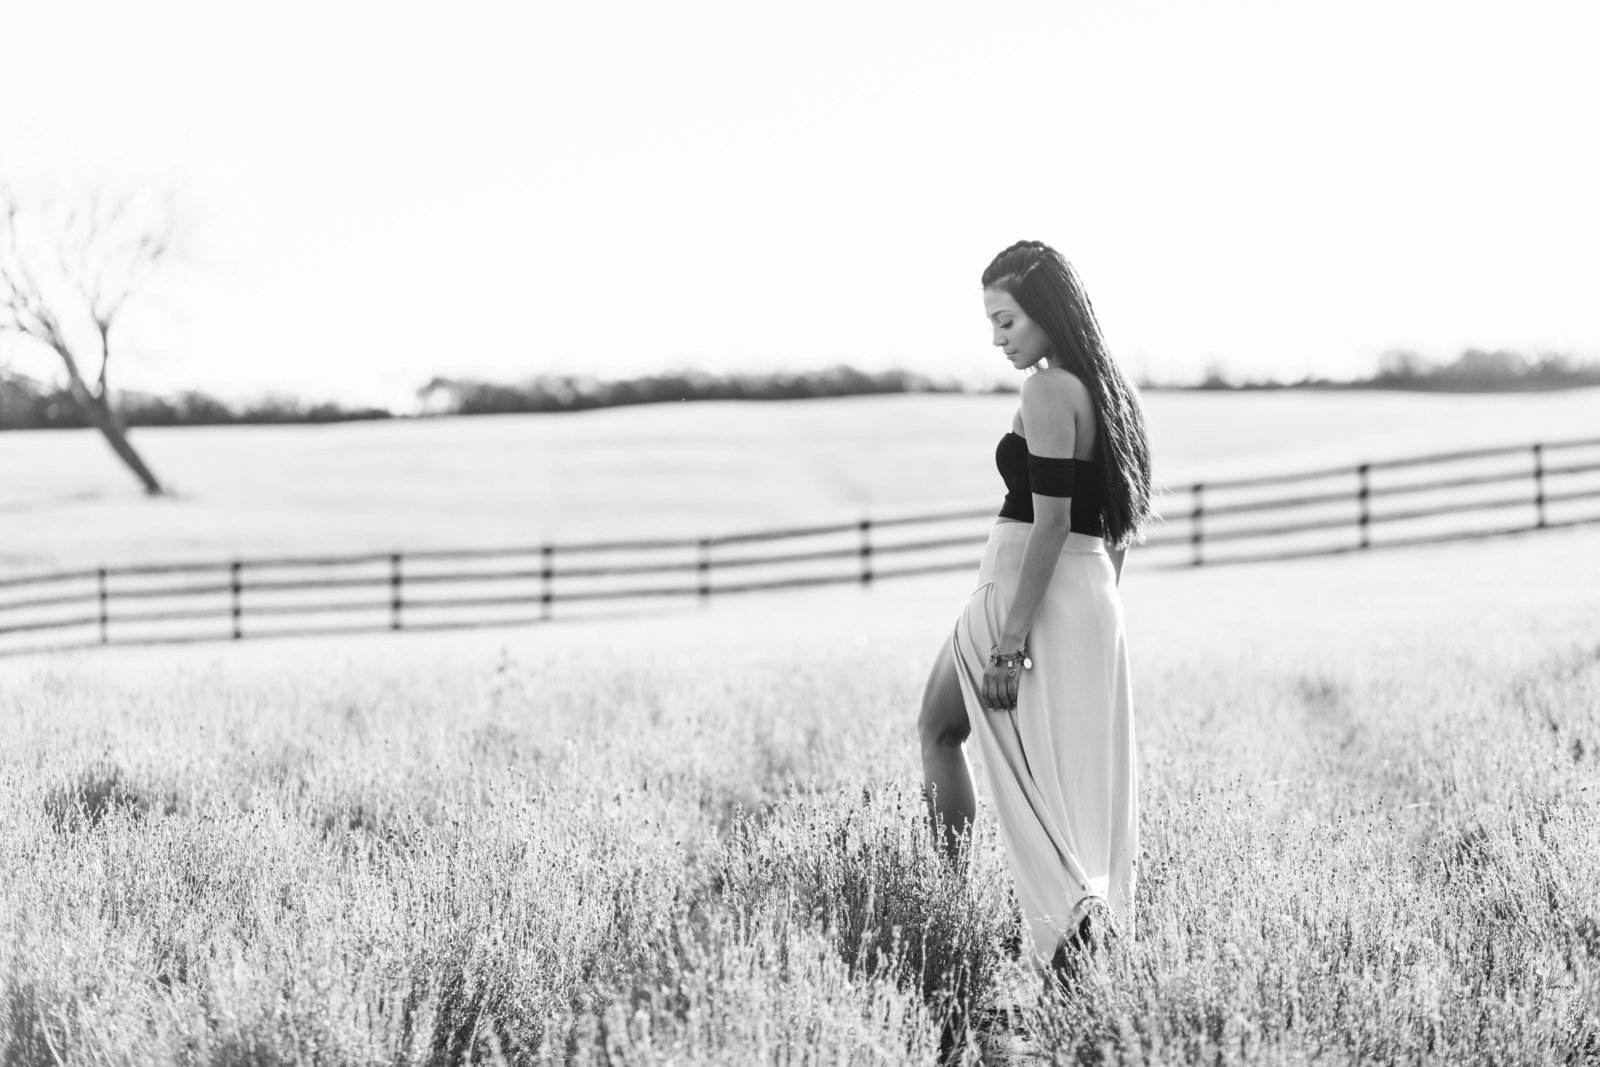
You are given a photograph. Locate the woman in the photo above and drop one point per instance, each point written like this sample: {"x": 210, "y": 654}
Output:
{"x": 1037, "y": 667}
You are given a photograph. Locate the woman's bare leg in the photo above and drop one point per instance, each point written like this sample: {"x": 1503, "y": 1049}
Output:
{"x": 942, "y": 727}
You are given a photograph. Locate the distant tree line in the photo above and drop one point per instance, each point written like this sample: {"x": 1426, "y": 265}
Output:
{"x": 1477, "y": 370}
{"x": 28, "y": 404}
{"x": 546, "y": 393}
{"x": 1473, "y": 371}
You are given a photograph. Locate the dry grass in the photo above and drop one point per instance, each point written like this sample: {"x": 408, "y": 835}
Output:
{"x": 1370, "y": 801}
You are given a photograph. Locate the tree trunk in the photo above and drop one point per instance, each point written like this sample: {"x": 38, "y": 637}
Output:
{"x": 98, "y": 408}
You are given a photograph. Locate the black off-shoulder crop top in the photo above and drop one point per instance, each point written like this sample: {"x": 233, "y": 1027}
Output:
{"x": 1026, "y": 474}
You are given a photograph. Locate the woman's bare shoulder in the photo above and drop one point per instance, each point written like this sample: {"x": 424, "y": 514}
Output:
{"x": 1057, "y": 388}
{"x": 1053, "y": 404}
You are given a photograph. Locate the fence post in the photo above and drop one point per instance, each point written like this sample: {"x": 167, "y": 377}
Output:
{"x": 1538, "y": 481}
{"x": 236, "y": 598}
{"x": 105, "y": 620}
{"x": 394, "y": 591}
{"x": 1196, "y": 534}
{"x": 704, "y": 568}
{"x": 1363, "y": 500}
{"x": 546, "y": 580}
{"x": 866, "y": 551}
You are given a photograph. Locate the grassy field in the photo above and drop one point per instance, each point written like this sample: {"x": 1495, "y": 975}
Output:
{"x": 1370, "y": 798}
{"x": 1370, "y": 787}
{"x": 689, "y": 469}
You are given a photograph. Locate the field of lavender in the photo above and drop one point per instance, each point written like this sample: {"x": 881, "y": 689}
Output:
{"x": 1370, "y": 796}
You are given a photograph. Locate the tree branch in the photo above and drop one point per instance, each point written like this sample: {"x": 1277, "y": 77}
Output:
{"x": 21, "y": 296}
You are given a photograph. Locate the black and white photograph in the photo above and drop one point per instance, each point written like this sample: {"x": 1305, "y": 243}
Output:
{"x": 868, "y": 534}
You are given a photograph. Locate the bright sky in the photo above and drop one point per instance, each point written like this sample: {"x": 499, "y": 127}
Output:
{"x": 381, "y": 193}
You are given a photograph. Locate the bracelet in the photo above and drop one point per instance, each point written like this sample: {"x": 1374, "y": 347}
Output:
{"x": 1010, "y": 659}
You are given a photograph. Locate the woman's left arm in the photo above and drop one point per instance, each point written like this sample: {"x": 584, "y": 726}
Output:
{"x": 1038, "y": 567}
{"x": 1049, "y": 414}
{"x": 1049, "y": 406}
{"x": 1049, "y": 533}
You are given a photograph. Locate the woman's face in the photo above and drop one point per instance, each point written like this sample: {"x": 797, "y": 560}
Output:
{"x": 1022, "y": 340}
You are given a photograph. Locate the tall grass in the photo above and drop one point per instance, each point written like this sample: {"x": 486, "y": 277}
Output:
{"x": 555, "y": 859}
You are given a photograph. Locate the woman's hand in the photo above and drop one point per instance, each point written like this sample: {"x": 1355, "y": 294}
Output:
{"x": 999, "y": 689}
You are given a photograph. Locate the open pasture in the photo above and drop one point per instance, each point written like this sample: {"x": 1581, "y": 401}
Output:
{"x": 1370, "y": 795}
{"x": 687, "y": 469}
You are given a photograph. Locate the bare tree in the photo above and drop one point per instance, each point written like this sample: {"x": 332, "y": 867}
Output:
{"x": 66, "y": 276}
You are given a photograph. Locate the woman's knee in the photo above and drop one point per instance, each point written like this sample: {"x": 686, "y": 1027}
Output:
{"x": 943, "y": 719}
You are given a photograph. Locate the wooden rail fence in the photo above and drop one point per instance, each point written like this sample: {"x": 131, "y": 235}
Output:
{"x": 1478, "y": 493}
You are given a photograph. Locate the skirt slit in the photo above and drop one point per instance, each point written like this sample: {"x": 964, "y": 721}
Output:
{"x": 1060, "y": 769}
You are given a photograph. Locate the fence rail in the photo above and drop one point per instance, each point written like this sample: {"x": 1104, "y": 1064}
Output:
{"x": 1307, "y": 513}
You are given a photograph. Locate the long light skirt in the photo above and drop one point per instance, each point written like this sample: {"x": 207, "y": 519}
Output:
{"x": 1060, "y": 769}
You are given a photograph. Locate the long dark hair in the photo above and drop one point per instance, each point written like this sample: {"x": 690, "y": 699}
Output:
{"x": 1048, "y": 291}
